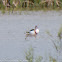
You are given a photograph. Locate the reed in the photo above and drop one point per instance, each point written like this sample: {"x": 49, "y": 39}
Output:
{"x": 33, "y": 4}
{"x": 57, "y": 42}
{"x": 30, "y": 56}
{"x": 3, "y": 11}
{"x": 51, "y": 59}
{"x": 60, "y": 33}
{"x": 38, "y": 59}
{"x": 55, "y": 4}
{"x": 61, "y": 0}
{"x": 2, "y": 7}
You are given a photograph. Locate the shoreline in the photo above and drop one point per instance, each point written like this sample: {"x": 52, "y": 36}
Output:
{"x": 40, "y": 12}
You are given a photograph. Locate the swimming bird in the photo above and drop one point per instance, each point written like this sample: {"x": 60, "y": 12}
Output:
{"x": 32, "y": 32}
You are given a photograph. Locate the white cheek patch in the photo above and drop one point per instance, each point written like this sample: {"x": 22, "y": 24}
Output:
{"x": 37, "y": 30}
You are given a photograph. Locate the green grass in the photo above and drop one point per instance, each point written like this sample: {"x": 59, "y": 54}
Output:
{"x": 55, "y": 4}
{"x": 61, "y": 0}
{"x": 60, "y": 33}
{"x": 3, "y": 11}
{"x": 30, "y": 56}
{"x": 38, "y": 59}
{"x": 54, "y": 41}
{"x": 38, "y": 5}
{"x": 11, "y": 1}
{"x": 51, "y": 59}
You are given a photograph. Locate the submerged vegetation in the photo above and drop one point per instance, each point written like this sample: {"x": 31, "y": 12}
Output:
{"x": 30, "y": 4}
{"x": 57, "y": 43}
{"x": 60, "y": 33}
{"x": 51, "y": 59}
{"x": 30, "y": 57}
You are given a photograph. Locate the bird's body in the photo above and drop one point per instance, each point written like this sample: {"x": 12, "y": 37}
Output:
{"x": 32, "y": 32}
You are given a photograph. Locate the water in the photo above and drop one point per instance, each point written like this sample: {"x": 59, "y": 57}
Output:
{"x": 12, "y": 34}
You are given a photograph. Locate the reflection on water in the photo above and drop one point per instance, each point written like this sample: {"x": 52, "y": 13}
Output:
{"x": 12, "y": 34}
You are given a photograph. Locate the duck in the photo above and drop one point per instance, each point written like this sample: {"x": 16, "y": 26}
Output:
{"x": 32, "y": 32}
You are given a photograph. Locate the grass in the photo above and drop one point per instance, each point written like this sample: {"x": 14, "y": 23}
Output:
{"x": 60, "y": 33}
{"x": 3, "y": 11}
{"x": 37, "y": 5}
{"x": 56, "y": 42}
{"x": 55, "y": 4}
{"x": 51, "y": 59}
{"x": 30, "y": 56}
{"x": 38, "y": 59}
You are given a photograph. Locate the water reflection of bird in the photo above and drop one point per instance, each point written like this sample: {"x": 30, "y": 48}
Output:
{"x": 32, "y": 32}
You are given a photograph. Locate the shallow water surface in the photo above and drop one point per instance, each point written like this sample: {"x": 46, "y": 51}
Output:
{"x": 12, "y": 34}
